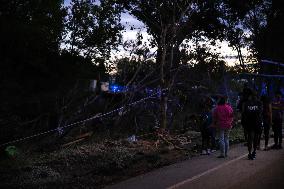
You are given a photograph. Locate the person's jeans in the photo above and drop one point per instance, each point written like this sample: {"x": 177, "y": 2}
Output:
{"x": 265, "y": 129}
{"x": 253, "y": 136}
{"x": 224, "y": 141}
{"x": 277, "y": 129}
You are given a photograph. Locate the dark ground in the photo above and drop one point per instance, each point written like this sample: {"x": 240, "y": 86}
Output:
{"x": 98, "y": 164}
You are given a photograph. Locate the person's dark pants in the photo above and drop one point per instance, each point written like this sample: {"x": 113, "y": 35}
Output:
{"x": 277, "y": 129}
{"x": 245, "y": 130}
{"x": 265, "y": 129}
{"x": 213, "y": 138}
{"x": 253, "y": 136}
{"x": 205, "y": 135}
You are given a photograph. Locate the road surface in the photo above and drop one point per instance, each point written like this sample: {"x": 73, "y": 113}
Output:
{"x": 209, "y": 172}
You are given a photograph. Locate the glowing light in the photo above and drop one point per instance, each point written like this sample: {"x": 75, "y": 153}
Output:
{"x": 114, "y": 88}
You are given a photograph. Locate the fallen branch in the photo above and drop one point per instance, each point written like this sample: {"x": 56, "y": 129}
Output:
{"x": 73, "y": 142}
{"x": 170, "y": 143}
{"x": 85, "y": 135}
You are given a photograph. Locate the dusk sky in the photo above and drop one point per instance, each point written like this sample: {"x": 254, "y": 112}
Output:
{"x": 129, "y": 21}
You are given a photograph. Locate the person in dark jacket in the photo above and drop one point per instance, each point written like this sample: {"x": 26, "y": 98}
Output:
{"x": 244, "y": 95}
{"x": 252, "y": 119}
{"x": 205, "y": 131}
{"x": 277, "y": 118}
{"x": 267, "y": 120}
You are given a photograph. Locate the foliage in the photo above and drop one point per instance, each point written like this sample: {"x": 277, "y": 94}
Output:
{"x": 36, "y": 75}
{"x": 250, "y": 24}
{"x": 170, "y": 23}
{"x": 129, "y": 68}
{"x": 269, "y": 41}
{"x": 30, "y": 38}
{"x": 138, "y": 68}
{"x": 93, "y": 27}
{"x": 211, "y": 70}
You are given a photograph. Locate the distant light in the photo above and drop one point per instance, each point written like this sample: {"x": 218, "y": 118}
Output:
{"x": 114, "y": 88}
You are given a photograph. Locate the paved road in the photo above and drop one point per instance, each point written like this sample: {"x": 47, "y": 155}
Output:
{"x": 209, "y": 172}
{"x": 265, "y": 172}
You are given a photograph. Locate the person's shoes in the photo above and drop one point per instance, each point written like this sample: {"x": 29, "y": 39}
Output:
{"x": 279, "y": 147}
{"x": 203, "y": 152}
{"x": 250, "y": 157}
{"x": 212, "y": 151}
{"x": 208, "y": 152}
{"x": 275, "y": 146}
{"x": 253, "y": 154}
{"x": 221, "y": 156}
{"x": 245, "y": 144}
{"x": 266, "y": 148}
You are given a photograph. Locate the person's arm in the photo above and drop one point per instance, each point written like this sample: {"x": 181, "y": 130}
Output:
{"x": 270, "y": 113}
{"x": 214, "y": 118}
{"x": 239, "y": 105}
{"x": 261, "y": 108}
{"x": 231, "y": 112}
{"x": 231, "y": 116}
{"x": 243, "y": 108}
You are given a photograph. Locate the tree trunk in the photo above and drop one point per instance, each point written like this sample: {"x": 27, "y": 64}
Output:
{"x": 240, "y": 56}
{"x": 168, "y": 56}
{"x": 162, "y": 58}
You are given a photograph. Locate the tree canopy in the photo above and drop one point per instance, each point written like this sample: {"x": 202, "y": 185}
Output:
{"x": 93, "y": 28}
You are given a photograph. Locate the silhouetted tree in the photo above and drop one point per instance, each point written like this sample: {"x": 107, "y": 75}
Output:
{"x": 170, "y": 23}
{"x": 93, "y": 28}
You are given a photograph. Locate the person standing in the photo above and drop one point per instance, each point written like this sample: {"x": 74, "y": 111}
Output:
{"x": 243, "y": 98}
{"x": 277, "y": 117}
{"x": 222, "y": 120}
{"x": 252, "y": 119}
{"x": 205, "y": 132}
{"x": 267, "y": 120}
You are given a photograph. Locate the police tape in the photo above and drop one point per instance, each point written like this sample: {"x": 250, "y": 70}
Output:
{"x": 60, "y": 130}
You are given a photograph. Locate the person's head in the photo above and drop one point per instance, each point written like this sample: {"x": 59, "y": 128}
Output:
{"x": 265, "y": 99}
{"x": 247, "y": 92}
{"x": 222, "y": 100}
{"x": 253, "y": 95}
